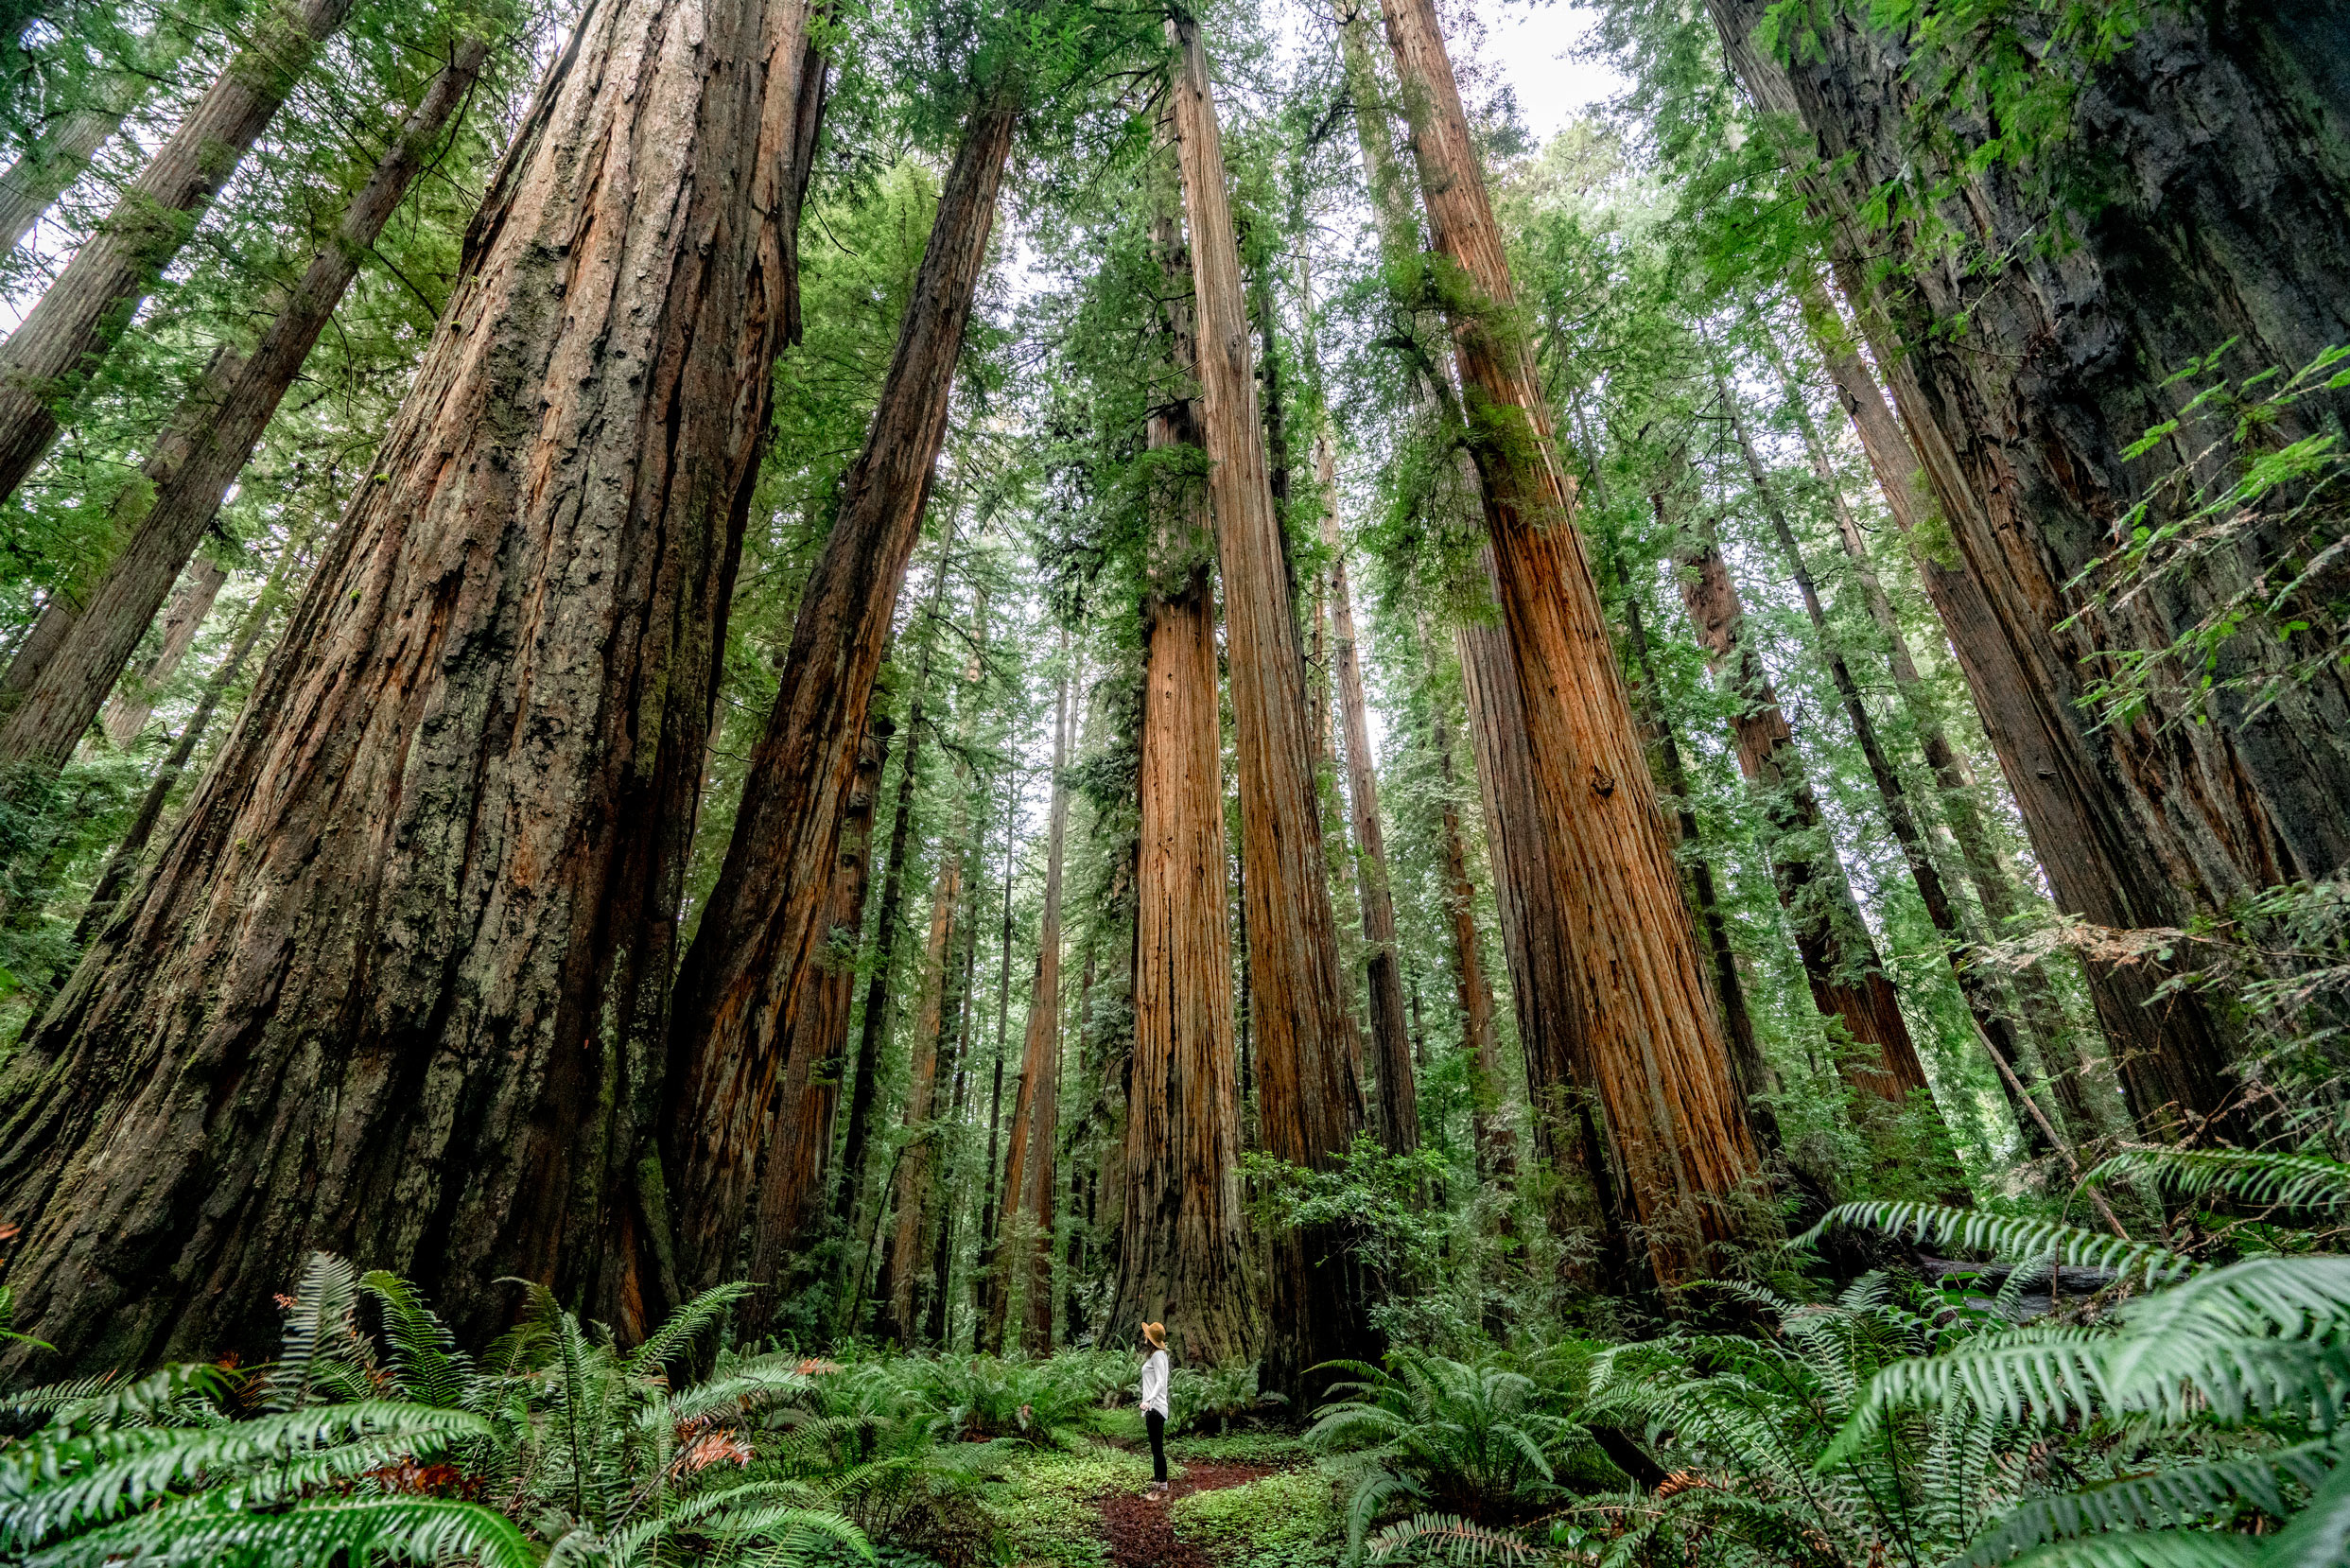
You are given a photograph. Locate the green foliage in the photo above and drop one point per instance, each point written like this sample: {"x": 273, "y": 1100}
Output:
{"x": 1287, "y": 1520}
{"x": 1216, "y": 1399}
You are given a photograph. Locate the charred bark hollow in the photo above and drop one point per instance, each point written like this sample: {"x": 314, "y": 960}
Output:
{"x": 1848, "y": 979}
{"x": 1650, "y": 1041}
{"x": 206, "y": 447}
{"x": 1183, "y": 1258}
{"x": 79, "y": 317}
{"x": 375, "y": 997}
{"x": 763, "y": 928}
{"x": 1309, "y": 1098}
{"x": 2206, "y": 182}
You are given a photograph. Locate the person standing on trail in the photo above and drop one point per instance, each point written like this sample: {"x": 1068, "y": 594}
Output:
{"x": 1155, "y": 1378}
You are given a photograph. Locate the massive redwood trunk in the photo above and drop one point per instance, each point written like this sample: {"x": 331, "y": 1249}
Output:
{"x": 377, "y": 996}
{"x": 205, "y": 447}
{"x": 1309, "y": 1098}
{"x": 1035, "y": 1111}
{"x": 2170, "y": 1053}
{"x": 1848, "y": 979}
{"x": 81, "y": 316}
{"x": 2206, "y": 180}
{"x": 763, "y": 928}
{"x": 1182, "y": 1255}
{"x": 1648, "y": 1030}
{"x": 1398, "y": 1103}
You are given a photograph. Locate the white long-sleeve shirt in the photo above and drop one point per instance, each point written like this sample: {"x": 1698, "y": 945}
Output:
{"x": 1155, "y": 1381}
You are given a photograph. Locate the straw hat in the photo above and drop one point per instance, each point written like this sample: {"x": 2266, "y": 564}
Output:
{"x": 1156, "y": 1333}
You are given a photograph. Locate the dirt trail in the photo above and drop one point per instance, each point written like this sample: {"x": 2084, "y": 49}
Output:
{"x": 1139, "y": 1529}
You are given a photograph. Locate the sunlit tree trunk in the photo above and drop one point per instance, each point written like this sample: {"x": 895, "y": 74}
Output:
{"x": 762, "y": 930}
{"x": 206, "y": 447}
{"x": 1182, "y": 1253}
{"x": 1309, "y": 1098}
{"x": 79, "y": 317}
{"x": 375, "y": 997}
{"x": 1646, "y": 1019}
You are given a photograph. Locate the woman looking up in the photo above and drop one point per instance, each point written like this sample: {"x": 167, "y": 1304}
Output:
{"x": 1154, "y": 1376}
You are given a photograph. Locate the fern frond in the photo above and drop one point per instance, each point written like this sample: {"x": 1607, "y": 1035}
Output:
{"x": 2145, "y": 1549}
{"x": 1450, "y": 1536}
{"x": 2005, "y": 1236}
{"x": 318, "y": 1331}
{"x": 2293, "y": 1180}
{"x": 424, "y": 1357}
{"x": 218, "y": 1528}
{"x": 671, "y": 1338}
{"x": 2319, "y": 1535}
{"x": 2180, "y": 1495}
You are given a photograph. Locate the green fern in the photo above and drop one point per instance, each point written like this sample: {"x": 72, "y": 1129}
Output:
{"x": 2290, "y": 1180}
{"x": 2006, "y": 1236}
{"x": 1449, "y": 1536}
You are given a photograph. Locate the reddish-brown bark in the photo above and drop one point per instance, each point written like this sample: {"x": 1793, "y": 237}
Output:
{"x": 1309, "y": 1099}
{"x": 133, "y": 701}
{"x": 1649, "y": 1032}
{"x": 763, "y": 927}
{"x": 376, "y": 995}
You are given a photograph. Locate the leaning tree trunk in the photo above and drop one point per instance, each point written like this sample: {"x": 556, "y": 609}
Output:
{"x": 1848, "y": 980}
{"x": 1648, "y": 1024}
{"x": 1040, "y": 1054}
{"x": 206, "y": 447}
{"x": 1398, "y": 1103}
{"x": 2170, "y": 1051}
{"x": 44, "y": 170}
{"x": 134, "y": 701}
{"x": 1183, "y": 1253}
{"x": 377, "y": 996}
{"x": 81, "y": 316}
{"x": 1309, "y": 1098}
{"x": 2213, "y": 167}
{"x": 799, "y": 1140}
{"x": 763, "y": 928}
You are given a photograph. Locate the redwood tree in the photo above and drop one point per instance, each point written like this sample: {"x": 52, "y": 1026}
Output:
{"x": 376, "y": 996}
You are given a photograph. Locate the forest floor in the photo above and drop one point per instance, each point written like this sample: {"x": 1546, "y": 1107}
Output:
{"x": 1138, "y": 1528}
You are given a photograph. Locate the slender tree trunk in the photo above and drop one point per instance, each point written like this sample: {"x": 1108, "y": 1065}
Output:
{"x": 41, "y": 174}
{"x": 1848, "y": 979}
{"x": 1645, "y": 1021}
{"x": 983, "y": 1287}
{"x": 2170, "y": 1051}
{"x": 79, "y": 317}
{"x": 124, "y": 862}
{"x": 1183, "y": 1249}
{"x": 1497, "y": 1155}
{"x": 739, "y": 987}
{"x": 914, "y": 1165}
{"x": 1308, "y": 1095}
{"x": 2070, "y": 352}
{"x": 799, "y": 1142}
{"x": 1034, "y": 1109}
{"x": 1398, "y": 1103}
{"x": 206, "y": 447}
{"x": 375, "y": 997}
{"x": 128, "y": 710}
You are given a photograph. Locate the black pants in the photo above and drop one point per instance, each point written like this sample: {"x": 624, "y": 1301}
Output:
{"x": 1157, "y": 1424}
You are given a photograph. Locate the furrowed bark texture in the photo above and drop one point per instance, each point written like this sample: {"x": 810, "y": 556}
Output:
{"x": 1035, "y": 1109}
{"x": 2214, "y": 153}
{"x": 79, "y": 317}
{"x": 2169, "y": 1053}
{"x": 799, "y": 1142}
{"x": 1398, "y": 1103}
{"x": 763, "y": 928}
{"x": 41, "y": 174}
{"x": 1183, "y": 1253}
{"x": 1848, "y": 979}
{"x": 1309, "y": 1098}
{"x": 1654, "y": 1041}
{"x": 134, "y": 701}
{"x": 377, "y": 996}
{"x": 206, "y": 447}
